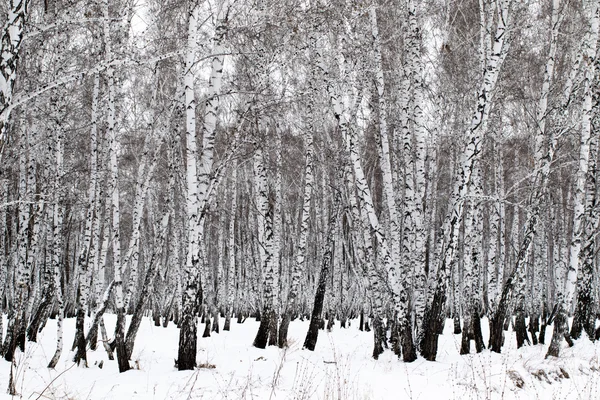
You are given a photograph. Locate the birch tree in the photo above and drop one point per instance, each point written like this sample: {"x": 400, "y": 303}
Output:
{"x": 433, "y": 317}
{"x": 192, "y": 292}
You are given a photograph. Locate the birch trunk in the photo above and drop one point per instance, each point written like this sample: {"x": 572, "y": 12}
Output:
{"x": 265, "y": 217}
{"x": 15, "y": 333}
{"x": 57, "y": 250}
{"x": 298, "y": 268}
{"x": 316, "y": 318}
{"x": 114, "y": 194}
{"x": 192, "y": 291}
{"x": 589, "y": 45}
{"x": 84, "y": 254}
{"x": 231, "y": 264}
{"x": 10, "y": 43}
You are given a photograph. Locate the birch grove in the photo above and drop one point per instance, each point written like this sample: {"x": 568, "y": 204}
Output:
{"x": 279, "y": 161}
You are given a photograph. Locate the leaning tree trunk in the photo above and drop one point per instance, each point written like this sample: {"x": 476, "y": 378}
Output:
{"x": 153, "y": 264}
{"x": 316, "y": 318}
{"x": 433, "y": 318}
{"x": 591, "y": 8}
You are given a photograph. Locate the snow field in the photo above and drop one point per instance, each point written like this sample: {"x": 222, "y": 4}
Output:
{"x": 340, "y": 368}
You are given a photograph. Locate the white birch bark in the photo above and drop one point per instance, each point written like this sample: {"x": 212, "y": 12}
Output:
{"x": 113, "y": 192}
{"x": 57, "y": 249}
{"x": 264, "y": 201}
{"x": 298, "y": 268}
{"x": 231, "y": 250}
{"x": 211, "y": 109}
{"x": 414, "y": 67}
{"x": 277, "y": 220}
{"x": 83, "y": 261}
{"x": 191, "y": 279}
{"x": 590, "y": 47}
{"x": 386, "y": 168}
{"x": 10, "y": 43}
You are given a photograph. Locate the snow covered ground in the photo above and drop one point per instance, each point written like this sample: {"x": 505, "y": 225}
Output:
{"x": 340, "y": 368}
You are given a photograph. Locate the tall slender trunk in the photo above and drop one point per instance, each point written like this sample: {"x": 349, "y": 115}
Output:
{"x": 84, "y": 253}
{"x": 232, "y": 251}
{"x": 15, "y": 334}
{"x": 57, "y": 249}
{"x": 396, "y": 239}
{"x": 10, "y": 44}
{"x": 192, "y": 291}
{"x": 114, "y": 195}
{"x": 153, "y": 266}
{"x": 591, "y": 9}
{"x": 315, "y": 320}
{"x": 265, "y": 203}
{"x": 585, "y": 315}
{"x": 291, "y": 306}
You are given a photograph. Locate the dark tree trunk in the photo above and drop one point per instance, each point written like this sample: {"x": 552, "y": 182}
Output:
{"x": 188, "y": 331}
{"x": 227, "y": 324}
{"x": 478, "y": 335}
{"x": 521, "y": 328}
{"x": 92, "y": 335}
{"x": 207, "y": 325}
{"x": 156, "y": 314}
{"x": 456, "y": 321}
{"x": 215, "y": 325}
{"x": 186, "y": 356}
{"x": 273, "y": 319}
{"x": 584, "y": 318}
{"x": 283, "y": 328}
{"x": 361, "y": 323}
{"x": 379, "y": 336}
{"x": 15, "y": 335}
{"x": 395, "y": 342}
{"x": 433, "y": 322}
{"x": 472, "y": 331}
{"x": 262, "y": 336}
{"x": 92, "y": 339}
{"x": 561, "y": 330}
{"x": 507, "y": 322}
{"x": 39, "y": 317}
{"x": 122, "y": 356}
{"x": 534, "y": 327}
{"x": 330, "y": 322}
{"x": 409, "y": 352}
{"x": 79, "y": 343}
{"x": 315, "y": 319}
{"x": 107, "y": 347}
{"x": 138, "y": 311}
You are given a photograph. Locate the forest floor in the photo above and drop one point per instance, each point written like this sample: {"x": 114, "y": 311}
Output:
{"x": 340, "y": 368}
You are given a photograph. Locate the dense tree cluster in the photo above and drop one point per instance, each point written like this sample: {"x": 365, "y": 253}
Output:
{"x": 399, "y": 161}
